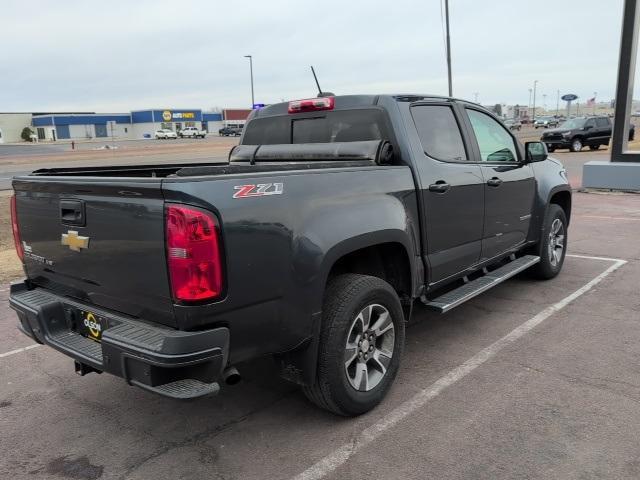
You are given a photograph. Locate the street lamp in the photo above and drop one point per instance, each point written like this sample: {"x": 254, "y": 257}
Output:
{"x": 529, "y": 104}
{"x": 535, "y": 85}
{"x": 253, "y": 102}
{"x": 475, "y": 96}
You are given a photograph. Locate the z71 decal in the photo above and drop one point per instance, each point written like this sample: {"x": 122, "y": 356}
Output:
{"x": 259, "y": 190}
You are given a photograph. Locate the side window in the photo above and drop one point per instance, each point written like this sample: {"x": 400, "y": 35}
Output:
{"x": 602, "y": 122}
{"x": 590, "y": 123}
{"x": 439, "y": 132}
{"x": 494, "y": 142}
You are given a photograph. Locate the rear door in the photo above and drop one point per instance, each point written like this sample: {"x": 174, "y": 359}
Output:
{"x": 509, "y": 184}
{"x": 603, "y": 129}
{"x": 451, "y": 187}
{"x": 100, "y": 241}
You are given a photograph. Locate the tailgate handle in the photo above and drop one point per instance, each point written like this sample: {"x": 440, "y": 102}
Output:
{"x": 72, "y": 213}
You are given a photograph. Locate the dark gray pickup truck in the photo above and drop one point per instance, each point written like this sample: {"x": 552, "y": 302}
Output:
{"x": 310, "y": 246}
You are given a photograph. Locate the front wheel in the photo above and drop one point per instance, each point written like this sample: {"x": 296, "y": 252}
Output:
{"x": 594, "y": 147}
{"x": 551, "y": 149}
{"x": 361, "y": 343}
{"x": 576, "y": 145}
{"x": 553, "y": 244}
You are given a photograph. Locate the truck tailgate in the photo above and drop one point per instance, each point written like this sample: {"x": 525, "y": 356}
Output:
{"x": 99, "y": 241}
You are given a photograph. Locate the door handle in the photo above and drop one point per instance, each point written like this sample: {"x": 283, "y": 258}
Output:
{"x": 494, "y": 182}
{"x": 439, "y": 187}
{"x": 72, "y": 213}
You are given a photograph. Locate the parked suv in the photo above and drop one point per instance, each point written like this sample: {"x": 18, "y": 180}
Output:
{"x": 165, "y": 134}
{"x": 579, "y": 132}
{"x": 230, "y": 132}
{"x": 513, "y": 124}
{"x": 546, "y": 122}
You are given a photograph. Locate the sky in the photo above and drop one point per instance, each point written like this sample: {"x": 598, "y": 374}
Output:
{"x": 113, "y": 56}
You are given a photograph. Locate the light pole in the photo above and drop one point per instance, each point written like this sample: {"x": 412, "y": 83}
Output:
{"x": 446, "y": 13}
{"x": 253, "y": 101}
{"x": 544, "y": 103}
{"x": 535, "y": 85}
{"x": 475, "y": 96}
{"x": 557, "y": 102}
{"x": 595, "y": 94}
{"x": 529, "y": 104}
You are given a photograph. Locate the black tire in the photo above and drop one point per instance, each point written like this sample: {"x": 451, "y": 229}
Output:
{"x": 345, "y": 298}
{"x": 576, "y": 145}
{"x": 594, "y": 147}
{"x": 551, "y": 149}
{"x": 548, "y": 267}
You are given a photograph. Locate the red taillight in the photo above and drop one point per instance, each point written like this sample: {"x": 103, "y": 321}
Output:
{"x": 16, "y": 230}
{"x": 312, "y": 104}
{"x": 193, "y": 253}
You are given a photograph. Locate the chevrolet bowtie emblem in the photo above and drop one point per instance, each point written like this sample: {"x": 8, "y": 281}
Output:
{"x": 74, "y": 241}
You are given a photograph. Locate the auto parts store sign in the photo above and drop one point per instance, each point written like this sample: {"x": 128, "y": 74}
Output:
{"x": 168, "y": 115}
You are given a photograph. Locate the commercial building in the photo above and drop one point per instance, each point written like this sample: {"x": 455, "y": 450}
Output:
{"x": 81, "y": 126}
{"x": 133, "y": 125}
{"x": 136, "y": 124}
{"x": 235, "y": 117}
{"x": 11, "y": 126}
{"x": 145, "y": 122}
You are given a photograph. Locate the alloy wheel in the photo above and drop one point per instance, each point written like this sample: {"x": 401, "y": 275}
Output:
{"x": 556, "y": 242}
{"x": 369, "y": 347}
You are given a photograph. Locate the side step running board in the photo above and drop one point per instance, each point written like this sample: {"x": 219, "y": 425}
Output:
{"x": 452, "y": 299}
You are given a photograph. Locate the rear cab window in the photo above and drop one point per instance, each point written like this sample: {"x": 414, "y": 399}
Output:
{"x": 322, "y": 127}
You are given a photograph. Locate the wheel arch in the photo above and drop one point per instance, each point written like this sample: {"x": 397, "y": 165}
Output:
{"x": 562, "y": 198}
{"x": 389, "y": 252}
{"x": 388, "y": 261}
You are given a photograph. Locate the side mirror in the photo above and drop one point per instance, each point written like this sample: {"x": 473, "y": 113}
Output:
{"x": 536, "y": 152}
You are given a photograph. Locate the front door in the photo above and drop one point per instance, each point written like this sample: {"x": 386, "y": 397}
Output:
{"x": 509, "y": 185}
{"x": 452, "y": 191}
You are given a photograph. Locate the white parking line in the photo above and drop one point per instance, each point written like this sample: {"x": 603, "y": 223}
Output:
{"x": 589, "y": 257}
{"x": 19, "y": 350}
{"x": 340, "y": 456}
{"x": 606, "y": 217}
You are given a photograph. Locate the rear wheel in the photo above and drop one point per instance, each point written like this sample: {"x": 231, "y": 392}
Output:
{"x": 594, "y": 147}
{"x": 361, "y": 343}
{"x": 576, "y": 145}
{"x": 551, "y": 149}
{"x": 553, "y": 244}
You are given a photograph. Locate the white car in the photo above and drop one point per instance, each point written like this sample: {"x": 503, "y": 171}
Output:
{"x": 165, "y": 133}
{"x": 193, "y": 132}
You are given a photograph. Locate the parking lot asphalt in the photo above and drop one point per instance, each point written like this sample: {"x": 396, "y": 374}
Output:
{"x": 23, "y": 159}
{"x": 536, "y": 380}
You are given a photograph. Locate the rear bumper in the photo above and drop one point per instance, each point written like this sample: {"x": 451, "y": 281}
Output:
{"x": 172, "y": 363}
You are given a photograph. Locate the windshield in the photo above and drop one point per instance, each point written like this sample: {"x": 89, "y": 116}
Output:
{"x": 574, "y": 123}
